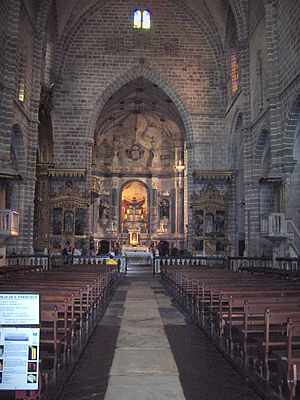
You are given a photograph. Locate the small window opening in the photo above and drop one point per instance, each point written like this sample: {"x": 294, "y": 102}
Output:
{"x": 21, "y": 77}
{"x": 235, "y": 79}
{"x": 141, "y": 20}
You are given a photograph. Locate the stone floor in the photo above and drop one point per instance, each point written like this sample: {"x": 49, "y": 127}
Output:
{"x": 145, "y": 349}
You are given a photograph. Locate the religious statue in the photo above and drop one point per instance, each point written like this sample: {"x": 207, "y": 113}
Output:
{"x": 134, "y": 214}
{"x": 112, "y": 225}
{"x": 68, "y": 223}
{"x": 103, "y": 209}
{"x": 209, "y": 224}
{"x": 164, "y": 225}
{"x": 164, "y": 208}
{"x": 198, "y": 224}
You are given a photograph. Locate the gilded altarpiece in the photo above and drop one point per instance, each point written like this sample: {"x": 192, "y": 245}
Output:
{"x": 210, "y": 221}
{"x": 68, "y": 218}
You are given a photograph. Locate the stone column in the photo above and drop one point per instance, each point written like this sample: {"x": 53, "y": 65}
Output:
{"x": 190, "y": 186}
{"x": 274, "y": 89}
{"x": 251, "y": 192}
{"x": 153, "y": 215}
{"x": 179, "y": 187}
{"x": 9, "y": 79}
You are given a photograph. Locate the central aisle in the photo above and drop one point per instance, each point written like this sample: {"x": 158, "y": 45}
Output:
{"x": 131, "y": 353}
{"x": 143, "y": 366}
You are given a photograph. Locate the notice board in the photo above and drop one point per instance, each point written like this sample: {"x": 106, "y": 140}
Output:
{"x": 19, "y": 340}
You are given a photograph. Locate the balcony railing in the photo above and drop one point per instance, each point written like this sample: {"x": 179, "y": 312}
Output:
{"x": 9, "y": 223}
{"x": 273, "y": 225}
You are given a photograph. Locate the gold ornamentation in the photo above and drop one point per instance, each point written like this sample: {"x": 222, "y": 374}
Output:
{"x": 67, "y": 172}
{"x": 69, "y": 196}
{"x": 212, "y": 174}
{"x": 96, "y": 185}
{"x": 210, "y": 215}
{"x": 69, "y": 199}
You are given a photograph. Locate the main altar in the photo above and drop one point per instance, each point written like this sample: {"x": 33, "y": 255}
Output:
{"x": 138, "y": 255}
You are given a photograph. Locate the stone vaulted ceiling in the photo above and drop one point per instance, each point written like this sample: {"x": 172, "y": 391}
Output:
{"x": 214, "y": 12}
{"x": 139, "y": 128}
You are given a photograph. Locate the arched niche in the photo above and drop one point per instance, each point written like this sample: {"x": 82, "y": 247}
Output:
{"x": 134, "y": 209}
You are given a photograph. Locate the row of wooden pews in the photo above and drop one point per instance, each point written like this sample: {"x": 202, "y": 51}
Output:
{"x": 72, "y": 300}
{"x": 254, "y": 318}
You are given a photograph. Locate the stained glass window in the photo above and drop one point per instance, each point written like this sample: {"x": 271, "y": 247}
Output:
{"x": 146, "y": 19}
{"x": 137, "y": 19}
{"x": 141, "y": 19}
{"x": 234, "y": 72}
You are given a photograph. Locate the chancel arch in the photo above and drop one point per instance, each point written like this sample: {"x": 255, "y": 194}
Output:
{"x": 138, "y": 155}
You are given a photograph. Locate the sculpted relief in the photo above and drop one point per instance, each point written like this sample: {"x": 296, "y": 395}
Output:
{"x": 138, "y": 143}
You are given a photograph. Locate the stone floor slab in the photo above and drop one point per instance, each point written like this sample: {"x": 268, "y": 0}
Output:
{"x": 152, "y": 303}
{"x": 116, "y": 311}
{"x": 142, "y": 322}
{"x": 140, "y": 330}
{"x": 144, "y": 388}
{"x": 140, "y": 312}
{"x": 140, "y": 297}
{"x": 142, "y": 338}
{"x": 110, "y": 320}
{"x": 170, "y": 316}
{"x": 130, "y": 362}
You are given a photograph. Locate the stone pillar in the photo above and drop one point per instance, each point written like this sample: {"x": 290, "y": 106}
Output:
{"x": 274, "y": 89}
{"x": 179, "y": 198}
{"x": 233, "y": 217}
{"x": 251, "y": 193}
{"x": 9, "y": 79}
{"x": 173, "y": 211}
{"x": 190, "y": 186}
{"x": 154, "y": 211}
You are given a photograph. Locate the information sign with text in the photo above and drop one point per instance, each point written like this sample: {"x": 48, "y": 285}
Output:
{"x": 19, "y": 308}
{"x": 19, "y": 358}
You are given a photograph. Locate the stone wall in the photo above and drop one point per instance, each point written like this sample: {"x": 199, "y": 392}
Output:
{"x": 175, "y": 49}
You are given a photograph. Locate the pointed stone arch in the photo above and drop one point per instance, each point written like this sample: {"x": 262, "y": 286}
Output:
{"x": 236, "y": 140}
{"x": 134, "y": 73}
{"x": 259, "y": 152}
{"x": 240, "y": 11}
{"x": 289, "y": 133}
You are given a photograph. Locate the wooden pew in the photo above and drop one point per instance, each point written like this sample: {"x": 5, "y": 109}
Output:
{"x": 71, "y": 301}
{"x": 288, "y": 361}
{"x": 246, "y": 312}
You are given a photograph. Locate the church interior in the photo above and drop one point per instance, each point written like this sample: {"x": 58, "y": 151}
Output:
{"x": 165, "y": 128}
{"x": 194, "y": 117}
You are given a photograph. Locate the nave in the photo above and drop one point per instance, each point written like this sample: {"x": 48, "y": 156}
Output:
{"x": 144, "y": 348}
